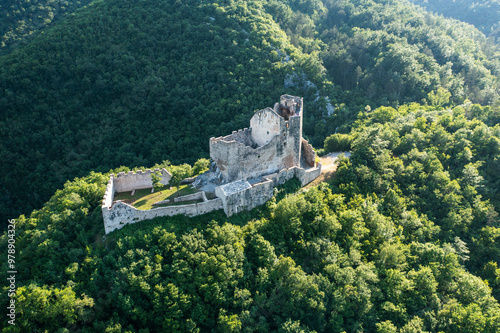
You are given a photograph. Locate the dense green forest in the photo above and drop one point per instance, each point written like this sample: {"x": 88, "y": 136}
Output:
{"x": 22, "y": 19}
{"x": 137, "y": 82}
{"x": 405, "y": 238}
{"x": 485, "y": 15}
{"x": 98, "y": 92}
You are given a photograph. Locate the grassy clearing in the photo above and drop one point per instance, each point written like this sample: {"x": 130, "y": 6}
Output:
{"x": 144, "y": 199}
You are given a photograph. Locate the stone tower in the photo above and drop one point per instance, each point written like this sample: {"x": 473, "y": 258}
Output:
{"x": 272, "y": 143}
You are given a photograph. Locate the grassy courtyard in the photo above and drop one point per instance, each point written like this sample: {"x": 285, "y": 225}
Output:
{"x": 144, "y": 199}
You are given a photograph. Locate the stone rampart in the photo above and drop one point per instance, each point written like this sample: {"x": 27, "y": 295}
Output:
{"x": 109, "y": 193}
{"x": 308, "y": 153}
{"x": 130, "y": 181}
{"x": 239, "y": 196}
{"x": 195, "y": 196}
{"x": 282, "y": 176}
{"x": 242, "y": 136}
{"x": 122, "y": 214}
{"x": 308, "y": 175}
{"x": 234, "y": 198}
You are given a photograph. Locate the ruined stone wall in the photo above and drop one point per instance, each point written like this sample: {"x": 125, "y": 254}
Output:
{"x": 243, "y": 136}
{"x": 122, "y": 214}
{"x": 239, "y": 161}
{"x": 294, "y": 103}
{"x": 294, "y": 140}
{"x": 265, "y": 124}
{"x": 276, "y": 143}
{"x": 124, "y": 182}
{"x": 109, "y": 194}
{"x": 308, "y": 175}
{"x": 282, "y": 176}
{"x": 246, "y": 198}
{"x": 222, "y": 152}
{"x": 305, "y": 176}
{"x": 234, "y": 198}
{"x": 308, "y": 153}
{"x": 240, "y": 196}
{"x": 195, "y": 196}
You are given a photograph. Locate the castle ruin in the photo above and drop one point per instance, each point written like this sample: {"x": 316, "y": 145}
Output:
{"x": 246, "y": 166}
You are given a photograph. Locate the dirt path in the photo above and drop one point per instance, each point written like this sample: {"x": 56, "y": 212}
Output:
{"x": 328, "y": 167}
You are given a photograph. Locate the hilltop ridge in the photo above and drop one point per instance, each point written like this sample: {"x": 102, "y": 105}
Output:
{"x": 198, "y": 68}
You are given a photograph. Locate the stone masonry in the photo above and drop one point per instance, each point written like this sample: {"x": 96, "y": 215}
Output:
{"x": 273, "y": 142}
{"x": 246, "y": 166}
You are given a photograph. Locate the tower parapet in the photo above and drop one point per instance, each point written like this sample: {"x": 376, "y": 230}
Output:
{"x": 273, "y": 142}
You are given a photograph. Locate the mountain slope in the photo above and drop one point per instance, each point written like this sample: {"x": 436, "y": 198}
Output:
{"x": 97, "y": 91}
{"x": 22, "y": 19}
{"x": 485, "y": 15}
{"x": 400, "y": 242}
{"x": 135, "y": 83}
{"x": 392, "y": 51}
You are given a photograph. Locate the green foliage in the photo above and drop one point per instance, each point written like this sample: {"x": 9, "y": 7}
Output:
{"x": 338, "y": 142}
{"x": 323, "y": 260}
{"x": 405, "y": 239}
{"x": 200, "y": 166}
{"x": 20, "y": 20}
{"x": 52, "y": 308}
{"x": 482, "y": 14}
{"x": 156, "y": 179}
{"x": 440, "y": 97}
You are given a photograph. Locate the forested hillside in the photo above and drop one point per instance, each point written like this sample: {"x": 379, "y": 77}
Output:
{"x": 128, "y": 83}
{"x": 138, "y": 82}
{"x": 405, "y": 239}
{"x": 392, "y": 52}
{"x": 21, "y": 19}
{"x": 485, "y": 14}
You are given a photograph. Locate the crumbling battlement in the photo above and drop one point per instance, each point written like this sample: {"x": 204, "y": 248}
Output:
{"x": 130, "y": 181}
{"x": 273, "y": 142}
{"x": 242, "y": 136}
{"x": 246, "y": 166}
{"x": 122, "y": 213}
{"x": 289, "y": 106}
{"x": 308, "y": 153}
